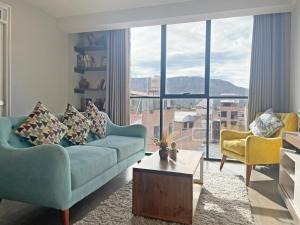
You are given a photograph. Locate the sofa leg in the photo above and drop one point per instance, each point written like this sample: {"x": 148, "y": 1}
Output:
{"x": 222, "y": 162}
{"x": 248, "y": 174}
{"x": 66, "y": 217}
{"x": 139, "y": 161}
{"x": 254, "y": 166}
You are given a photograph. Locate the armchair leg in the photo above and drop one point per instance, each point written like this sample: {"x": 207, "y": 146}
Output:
{"x": 248, "y": 174}
{"x": 66, "y": 217}
{"x": 139, "y": 161}
{"x": 222, "y": 162}
{"x": 254, "y": 166}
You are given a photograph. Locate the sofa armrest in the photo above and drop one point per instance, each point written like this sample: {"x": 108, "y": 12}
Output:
{"x": 136, "y": 130}
{"x": 260, "y": 150}
{"x": 38, "y": 175}
{"x": 233, "y": 134}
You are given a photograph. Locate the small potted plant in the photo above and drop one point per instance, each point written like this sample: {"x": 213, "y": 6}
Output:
{"x": 173, "y": 151}
{"x": 163, "y": 146}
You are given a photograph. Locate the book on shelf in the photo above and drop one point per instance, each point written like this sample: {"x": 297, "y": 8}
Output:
{"x": 85, "y": 60}
{"x": 104, "y": 85}
{"x": 101, "y": 84}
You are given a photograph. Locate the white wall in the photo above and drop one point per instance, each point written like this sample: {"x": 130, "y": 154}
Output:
{"x": 39, "y": 60}
{"x": 295, "y": 70}
{"x": 189, "y": 11}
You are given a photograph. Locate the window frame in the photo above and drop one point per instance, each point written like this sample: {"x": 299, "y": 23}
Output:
{"x": 206, "y": 95}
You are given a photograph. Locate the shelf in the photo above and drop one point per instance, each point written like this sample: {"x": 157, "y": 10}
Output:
{"x": 89, "y": 69}
{"x": 289, "y": 172}
{"x": 82, "y": 49}
{"x": 82, "y": 91}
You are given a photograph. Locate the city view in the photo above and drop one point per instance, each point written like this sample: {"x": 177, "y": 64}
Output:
{"x": 185, "y": 119}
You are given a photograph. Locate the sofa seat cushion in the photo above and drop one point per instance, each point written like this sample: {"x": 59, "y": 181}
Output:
{"x": 88, "y": 162}
{"x": 125, "y": 146}
{"x": 237, "y": 146}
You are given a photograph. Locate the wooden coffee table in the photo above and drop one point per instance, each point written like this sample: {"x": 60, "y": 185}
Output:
{"x": 167, "y": 189}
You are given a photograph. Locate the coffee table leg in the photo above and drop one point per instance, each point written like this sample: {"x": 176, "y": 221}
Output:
{"x": 201, "y": 169}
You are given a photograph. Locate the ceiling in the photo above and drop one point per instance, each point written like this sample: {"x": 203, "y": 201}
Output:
{"x": 63, "y": 8}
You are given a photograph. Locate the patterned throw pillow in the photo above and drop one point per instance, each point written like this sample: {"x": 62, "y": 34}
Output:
{"x": 78, "y": 126}
{"x": 266, "y": 124}
{"x": 42, "y": 127}
{"x": 98, "y": 120}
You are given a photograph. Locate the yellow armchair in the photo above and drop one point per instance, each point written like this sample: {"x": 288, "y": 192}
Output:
{"x": 254, "y": 150}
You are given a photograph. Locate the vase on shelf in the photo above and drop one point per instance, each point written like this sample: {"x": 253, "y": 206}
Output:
{"x": 163, "y": 153}
{"x": 83, "y": 83}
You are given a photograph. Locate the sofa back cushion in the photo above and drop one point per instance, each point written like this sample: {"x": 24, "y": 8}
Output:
{"x": 42, "y": 127}
{"x": 8, "y": 126}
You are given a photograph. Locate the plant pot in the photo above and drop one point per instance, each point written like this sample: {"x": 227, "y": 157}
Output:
{"x": 173, "y": 154}
{"x": 163, "y": 153}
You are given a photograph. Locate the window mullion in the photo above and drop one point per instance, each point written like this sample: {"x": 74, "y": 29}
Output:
{"x": 207, "y": 81}
{"x": 162, "y": 74}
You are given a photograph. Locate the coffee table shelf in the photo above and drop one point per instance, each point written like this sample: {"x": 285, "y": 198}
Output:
{"x": 166, "y": 189}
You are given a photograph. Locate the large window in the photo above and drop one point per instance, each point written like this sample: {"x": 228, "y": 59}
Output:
{"x": 191, "y": 80}
{"x": 230, "y": 56}
{"x": 145, "y": 61}
{"x": 185, "y": 60}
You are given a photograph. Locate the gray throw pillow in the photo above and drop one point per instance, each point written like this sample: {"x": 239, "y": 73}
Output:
{"x": 266, "y": 124}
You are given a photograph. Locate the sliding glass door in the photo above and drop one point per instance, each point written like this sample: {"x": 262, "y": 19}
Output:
{"x": 191, "y": 80}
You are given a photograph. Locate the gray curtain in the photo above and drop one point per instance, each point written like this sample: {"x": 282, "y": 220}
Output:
{"x": 270, "y": 64}
{"x": 118, "y": 76}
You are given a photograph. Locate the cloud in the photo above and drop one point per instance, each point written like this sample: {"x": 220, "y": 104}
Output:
{"x": 230, "y": 50}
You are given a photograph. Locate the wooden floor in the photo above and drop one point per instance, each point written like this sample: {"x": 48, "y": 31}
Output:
{"x": 267, "y": 207}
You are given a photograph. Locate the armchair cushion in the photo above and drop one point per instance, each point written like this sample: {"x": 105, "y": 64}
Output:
{"x": 237, "y": 146}
{"x": 125, "y": 146}
{"x": 88, "y": 162}
{"x": 266, "y": 124}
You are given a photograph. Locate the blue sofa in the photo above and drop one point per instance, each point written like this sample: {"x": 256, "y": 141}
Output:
{"x": 58, "y": 176}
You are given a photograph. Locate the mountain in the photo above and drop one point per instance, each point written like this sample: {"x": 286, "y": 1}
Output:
{"x": 191, "y": 84}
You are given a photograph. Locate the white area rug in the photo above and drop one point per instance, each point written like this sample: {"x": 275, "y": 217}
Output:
{"x": 223, "y": 200}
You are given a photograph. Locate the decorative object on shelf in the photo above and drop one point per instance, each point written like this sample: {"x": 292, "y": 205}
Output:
{"x": 163, "y": 144}
{"x": 83, "y": 83}
{"x": 80, "y": 60}
{"x": 91, "y": 39}
{"x": 91, "y": 61}
{"x": 103, "y": 61}
{"x": 173, "y": 151}
{"x": 85, "y": 60}
{"x": 101, "y": 84}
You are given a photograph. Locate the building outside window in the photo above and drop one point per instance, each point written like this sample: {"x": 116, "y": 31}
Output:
{"x": 173, "y": 92}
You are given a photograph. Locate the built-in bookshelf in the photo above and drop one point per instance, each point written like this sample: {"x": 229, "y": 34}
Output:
{"x": 91, "y": 65}
{"x": 289, "y": 174}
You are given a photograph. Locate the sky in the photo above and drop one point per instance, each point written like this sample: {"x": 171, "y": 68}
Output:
{"x": 231, "y": 41}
